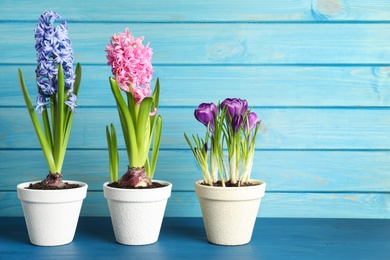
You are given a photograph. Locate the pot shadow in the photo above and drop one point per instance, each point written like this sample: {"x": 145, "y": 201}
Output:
{"x": 95, "y": 229}
{"x": 187, "y": 228}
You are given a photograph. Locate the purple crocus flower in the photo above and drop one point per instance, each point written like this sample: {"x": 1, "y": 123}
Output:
{"x": 251, "y": 121}
{"x": 236, "y": 123}
{"x": 234, "y": 106}
{"x": 205, "y": 114}
{"x": 53, "y": 48}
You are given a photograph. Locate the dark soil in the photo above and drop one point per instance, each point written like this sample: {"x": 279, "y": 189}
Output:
{"x": 154, "y": 185}
{"x": 229, "y": 184}
{"x": 42, "y": 186}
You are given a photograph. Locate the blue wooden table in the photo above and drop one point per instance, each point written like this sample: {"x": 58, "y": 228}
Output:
{"x": 184, "y": 238}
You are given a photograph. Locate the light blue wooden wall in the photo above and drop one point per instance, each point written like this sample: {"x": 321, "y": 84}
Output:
{"x": 317, "y": 73}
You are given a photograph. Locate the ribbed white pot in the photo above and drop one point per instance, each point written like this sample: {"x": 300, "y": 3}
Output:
{"x": 51, "y": 215}
{"x": 137, "y": 214}
{"x": 229, "y": 213}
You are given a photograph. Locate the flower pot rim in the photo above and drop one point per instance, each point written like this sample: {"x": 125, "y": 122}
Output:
{"x": 23, "y": 185}
{"x": 258, "y": 182}
{"x": 168, "y": 184}
{"x": 52, "y": 196}
{"x": 230, "y": 193}
{"x": 138, "y": 195}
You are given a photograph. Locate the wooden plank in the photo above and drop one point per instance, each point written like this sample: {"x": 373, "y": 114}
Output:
{"x": 269, "y": 86}
{"x": 283, "y": 171}
{"x": 201, "y": 10}
{"x": 221, "y": 43}
{"x": 275, "y": 205}
{"x": 283, "y": 128}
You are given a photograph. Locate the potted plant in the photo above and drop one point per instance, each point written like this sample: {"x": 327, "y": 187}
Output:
{"x": 136, "y": 201}
{"x": 51, "y": 207}
{"x": 228, "y": 197}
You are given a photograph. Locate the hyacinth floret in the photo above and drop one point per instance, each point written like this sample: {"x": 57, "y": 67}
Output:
{"x": 131, "y": 64}
{"x": 53, "y": 48}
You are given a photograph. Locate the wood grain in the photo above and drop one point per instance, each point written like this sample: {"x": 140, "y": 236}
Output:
{"x": 221, "y": 43}
{"x": 201, "y": 10}
{"x": 270, "y": 86}
{"x": 284, "y": 171}
{"x": 277, "y": 205}
{"x": 283, "y": 128}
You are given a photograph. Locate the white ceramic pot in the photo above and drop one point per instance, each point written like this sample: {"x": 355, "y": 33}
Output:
{"x": 229, "y": 213}
{"x": 137, "y": 214}
{"x": 51, "y": 215}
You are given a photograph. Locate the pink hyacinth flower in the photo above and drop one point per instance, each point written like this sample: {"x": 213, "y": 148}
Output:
{"x": 131, "y": 64}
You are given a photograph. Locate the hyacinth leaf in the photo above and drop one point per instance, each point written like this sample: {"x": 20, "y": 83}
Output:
{"x": 125, "y": 130}
{"x": 59, "y": 121}
{"x": 37, "y": 126}
{"x": 76, "y": 84}
{"x": 132, "y": 106}
{"x": 156, "y": 146}
{"x": 112, "y": 152}
{"x": 76, "y": 87}
{"x": 126, "y": 123}
{"x": 47, "y": 127}
{"x": 142, "y": 130}
{"x": 70, "y": 113}
{"x": 156, "y": 98}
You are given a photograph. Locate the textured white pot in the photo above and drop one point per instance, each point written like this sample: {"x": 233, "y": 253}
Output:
{"x": 229, "y": 214}
{"x": 51, "y": 215}
{"x": 137, "y": 214}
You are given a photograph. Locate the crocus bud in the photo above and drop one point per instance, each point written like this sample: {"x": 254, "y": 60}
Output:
{"x": 205, "y": 114}
{"x": 251, "y": 121}
{"x": 236, "y": 123}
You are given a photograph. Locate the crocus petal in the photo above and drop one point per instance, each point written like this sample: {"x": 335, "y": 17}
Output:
{"x": 252, "y": 121}
{"x": 205, "y": 114}
{"x": 234, "y": 106}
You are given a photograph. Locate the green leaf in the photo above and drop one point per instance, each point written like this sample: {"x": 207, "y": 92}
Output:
{"x": 37, "y": 126}
{"x": 142, "y": 129}
{"x": 59, "y": 118}
{"x": 77, "y": 81}
{"x": 128, "y": 126}
{"x": 132, "y": 106}
{"x": 46, "y": 124}
{"x": 156, "y": 98}
{"x": 69, "y": 113}
{"x": 112, "y": 152}
{"x": 156, "y": 146}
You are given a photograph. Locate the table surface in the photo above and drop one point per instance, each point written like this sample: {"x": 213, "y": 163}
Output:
{"x": 180, "y": 238}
